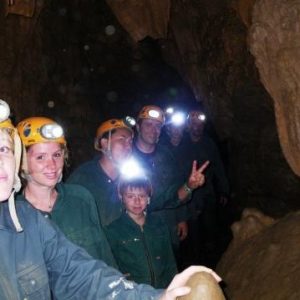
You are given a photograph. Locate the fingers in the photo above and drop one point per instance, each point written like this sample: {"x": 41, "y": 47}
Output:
{"x": 203, "y": 167}
{"x": 194, "y": 166}
{"x": 177, "y": 292}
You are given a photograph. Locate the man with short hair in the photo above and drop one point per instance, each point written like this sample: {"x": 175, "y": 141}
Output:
{"x": 99, "y": 175}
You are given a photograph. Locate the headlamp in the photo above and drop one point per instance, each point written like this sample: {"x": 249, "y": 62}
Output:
{"x": 178, "y": 118}
{"x": 131, "y": 169}
{"x": 170, "y": 110}
{"x": 202, "y": 117}
{"x": 52, "y": 131}
{"x": 129, "y": 121}
{"x": 153, "y": 113}
{"x": 4, "y": 111}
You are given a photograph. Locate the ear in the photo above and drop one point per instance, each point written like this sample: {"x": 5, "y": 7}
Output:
{"x": 104, "y": 143}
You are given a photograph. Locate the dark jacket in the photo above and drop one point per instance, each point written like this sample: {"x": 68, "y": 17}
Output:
{"x": 92, "y": 177}
{"x": 40, "y": 258}
{"x": 143, "y": 253}
{"x": 76, "y": 215}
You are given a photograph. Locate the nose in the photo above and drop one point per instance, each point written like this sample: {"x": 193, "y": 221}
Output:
{"x": 128, "y": 143}
{"x": 137, "y": 200}
{"x": 51, "y": 164}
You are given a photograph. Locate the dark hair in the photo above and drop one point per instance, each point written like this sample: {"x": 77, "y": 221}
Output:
{"x": 138, "y": 183}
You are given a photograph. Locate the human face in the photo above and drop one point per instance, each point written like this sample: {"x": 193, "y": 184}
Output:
{"x": 149, "y": 131}
{"x": 175, "y": 133}
{"x": 7, "y": 165}
{"x": 121, "y": 144}
{"x": 196, "y": 126}
{"x": 135, "y": 201}
{"x": 45, "y": 164}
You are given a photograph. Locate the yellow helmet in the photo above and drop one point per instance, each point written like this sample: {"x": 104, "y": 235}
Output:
{"x": 152, "y": 112}
{"x": 110, "y": 125}
{"x": 7, "y": 124}
{"x": 36, "y": 130}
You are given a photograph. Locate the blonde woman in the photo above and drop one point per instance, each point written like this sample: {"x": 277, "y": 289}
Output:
{"x": 70, "y": 206}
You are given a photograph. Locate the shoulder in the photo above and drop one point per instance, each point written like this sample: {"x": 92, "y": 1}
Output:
{"x": 155, "y": 220}
{"x": 116, "y": 224}
{"x": 164, "y": 151}
{"x": 76, "y": 191}
{"x": 85, "y": 168}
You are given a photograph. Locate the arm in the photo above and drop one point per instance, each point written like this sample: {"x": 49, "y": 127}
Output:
{"x": 182, "y": 217}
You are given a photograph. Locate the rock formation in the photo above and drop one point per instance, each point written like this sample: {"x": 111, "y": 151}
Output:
{"x": 274, "y": 41}
{"x": 262, "y": 261}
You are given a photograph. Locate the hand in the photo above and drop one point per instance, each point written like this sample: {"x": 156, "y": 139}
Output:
{"x": 177, "y": 286}
{"x": 197, "y": 177}
{"x": 182, "y": 230}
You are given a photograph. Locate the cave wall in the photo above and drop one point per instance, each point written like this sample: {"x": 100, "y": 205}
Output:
{"x": 81, "y": 62}
{"x": 274, "y": 41}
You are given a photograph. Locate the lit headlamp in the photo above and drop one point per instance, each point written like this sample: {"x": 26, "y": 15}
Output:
{"x": 131, "y": 169}
{"x": 129, "y": 121}
{"x": 178, "y": 118}
{"x": 170, "y": 110}
{"x": 153, "y": 113}
{"x": 202, "y": 117}
{"x": 52, "y": 131}
{"x": 197, "y": 116}
{"x": 4, "y": 111}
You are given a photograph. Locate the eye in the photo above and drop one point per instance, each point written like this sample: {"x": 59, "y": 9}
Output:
{"x": 5, "y": 150}
{"x": 41, "y": 157}
{"x": 58, "y": 154}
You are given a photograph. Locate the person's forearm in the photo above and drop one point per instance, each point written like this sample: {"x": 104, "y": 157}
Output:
{"x": 184, "y": 193}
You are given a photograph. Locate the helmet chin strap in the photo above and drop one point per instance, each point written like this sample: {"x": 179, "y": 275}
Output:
{"x": 107, "y": 152}
{"x": 17, "y": 185}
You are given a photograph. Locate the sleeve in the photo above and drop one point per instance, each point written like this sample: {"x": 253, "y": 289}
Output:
{"x": 166, "y": 181}
{"x": 182, "y": 213}
{"x": 170, "y": 264}
{"x": 73, "y": 274}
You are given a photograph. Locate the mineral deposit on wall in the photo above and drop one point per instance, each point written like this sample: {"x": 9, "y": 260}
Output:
{"x": 275, "y": 42}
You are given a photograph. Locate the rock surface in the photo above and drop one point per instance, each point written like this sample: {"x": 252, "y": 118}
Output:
{"x": 203, "y": 286}
{"x": 262, "y": 262}
{"x": 274, "y": 41}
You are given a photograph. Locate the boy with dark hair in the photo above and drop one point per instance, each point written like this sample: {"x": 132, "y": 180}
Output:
{"x": 141, "y": 242}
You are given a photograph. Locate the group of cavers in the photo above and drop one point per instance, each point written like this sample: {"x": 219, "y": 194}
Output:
{"x": 135, "y": 226}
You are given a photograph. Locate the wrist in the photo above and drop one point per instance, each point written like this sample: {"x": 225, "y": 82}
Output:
{"x": 187, "y": 188}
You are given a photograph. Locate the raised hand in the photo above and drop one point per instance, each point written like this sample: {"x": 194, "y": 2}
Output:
{"x": 197, "y": 178}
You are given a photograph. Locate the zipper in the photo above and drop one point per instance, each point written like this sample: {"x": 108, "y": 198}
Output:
{"x": 152, "y": 275}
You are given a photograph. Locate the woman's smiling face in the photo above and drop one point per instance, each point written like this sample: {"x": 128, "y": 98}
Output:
{"x": 45, "y": 163}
